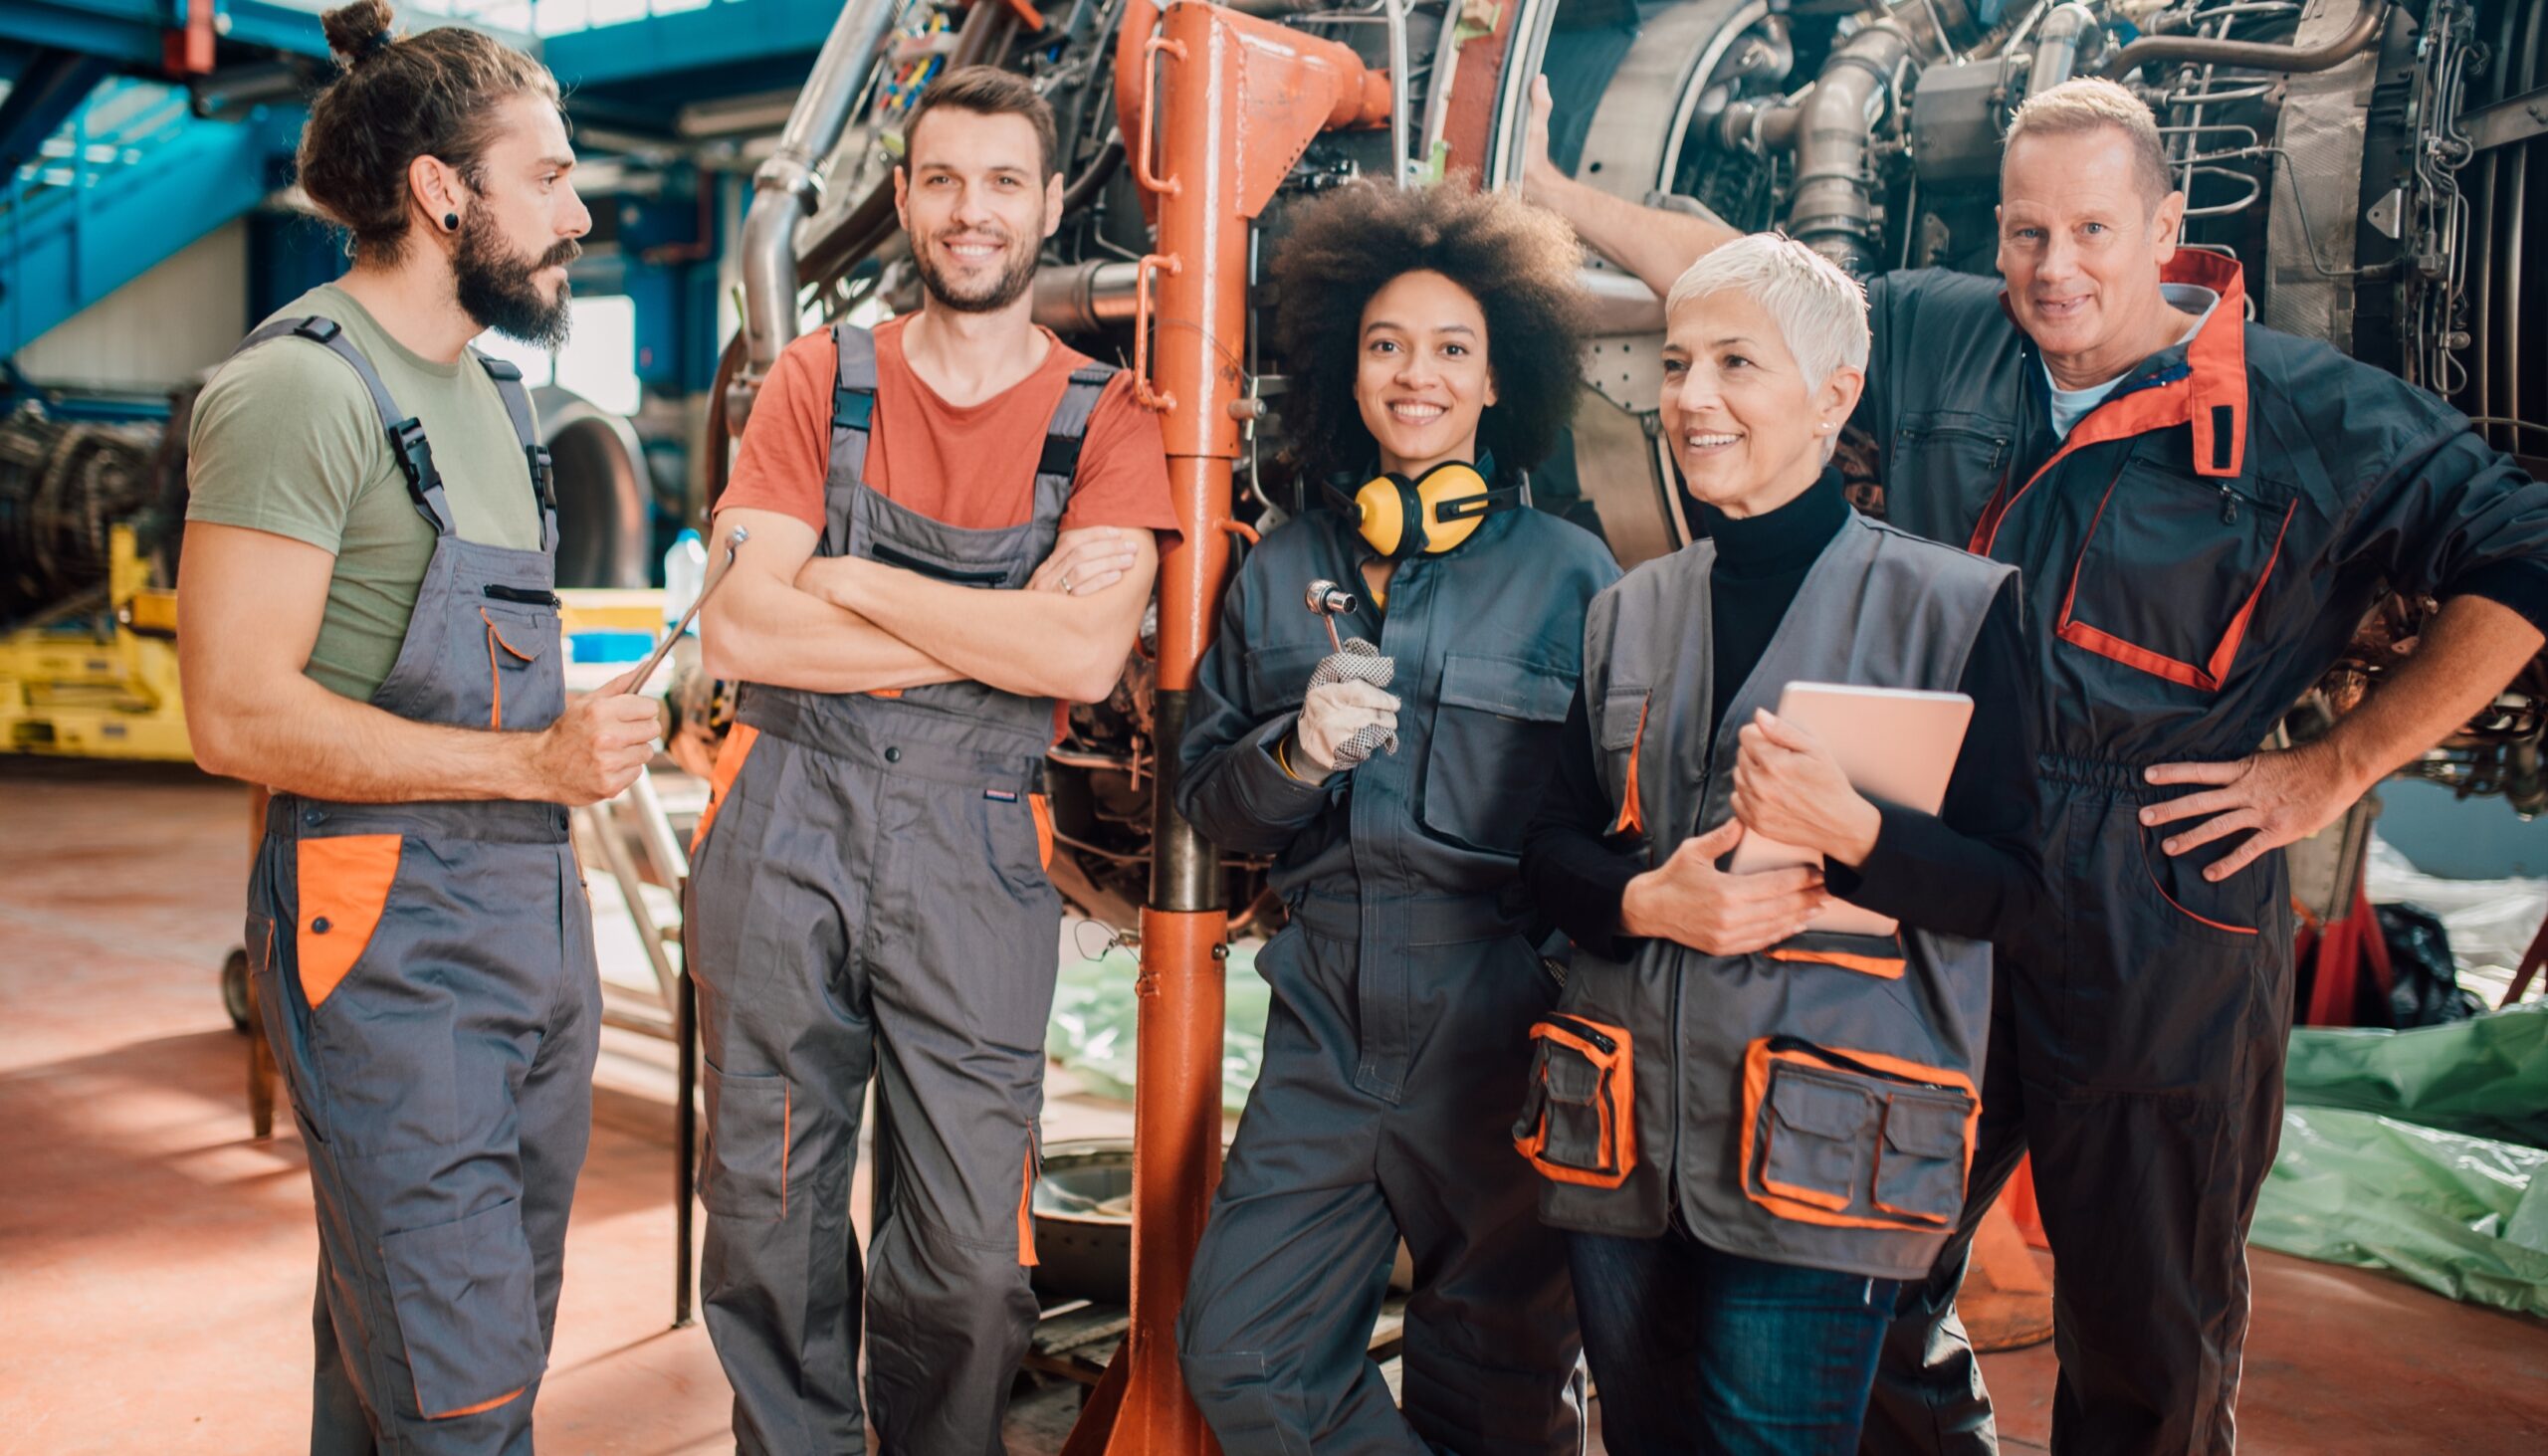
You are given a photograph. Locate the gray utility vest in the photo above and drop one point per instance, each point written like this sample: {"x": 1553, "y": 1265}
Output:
{"x": 1812, "y": 1104}
{"x": 966, "y": 731}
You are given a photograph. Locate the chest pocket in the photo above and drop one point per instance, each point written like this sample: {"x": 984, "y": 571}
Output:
{"x": 1493, "y": 746}
{"x": 1942, "y": 470}
{"x": 516, "y": 639}
{"x": 1278, "y": 677}
{"x": 1624, "y": 710}
{"x": 2174, "y": 569}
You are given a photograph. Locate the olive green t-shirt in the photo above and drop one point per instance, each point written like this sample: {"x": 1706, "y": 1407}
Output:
{"x": 285, "y": 439}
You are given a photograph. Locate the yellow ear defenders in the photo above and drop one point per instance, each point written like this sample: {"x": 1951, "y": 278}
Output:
{"x": 1429, "y": 514}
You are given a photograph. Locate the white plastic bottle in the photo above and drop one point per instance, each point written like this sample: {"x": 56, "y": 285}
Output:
{"x": 685, "y": 571}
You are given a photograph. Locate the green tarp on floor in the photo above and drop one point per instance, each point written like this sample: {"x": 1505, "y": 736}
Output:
{"x": 2487, "y": 1078}
{"x": 2419, "y": 1152}
{"x": 2459, "y": 1216}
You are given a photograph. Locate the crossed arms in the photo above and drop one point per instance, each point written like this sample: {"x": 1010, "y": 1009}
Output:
{"x": 842, "y": 624}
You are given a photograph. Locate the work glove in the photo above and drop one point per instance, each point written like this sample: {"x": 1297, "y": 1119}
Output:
{"x": 1345, "y": 716}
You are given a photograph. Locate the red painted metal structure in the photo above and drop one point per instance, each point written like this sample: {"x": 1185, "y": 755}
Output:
{"x": 1231, "y": 103}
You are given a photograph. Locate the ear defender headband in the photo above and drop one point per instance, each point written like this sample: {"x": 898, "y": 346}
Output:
{"x": 1427, "y": 515}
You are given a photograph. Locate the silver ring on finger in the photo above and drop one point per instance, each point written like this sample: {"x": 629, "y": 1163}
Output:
{"x": 1066, "y": 583}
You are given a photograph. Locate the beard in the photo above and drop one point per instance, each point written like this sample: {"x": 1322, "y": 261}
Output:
{"x": 980, "y": 297}
{"x": 499, "y": 287}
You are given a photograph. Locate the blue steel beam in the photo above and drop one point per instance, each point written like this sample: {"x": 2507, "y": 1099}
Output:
{"x": 52, "y": 85}
{"x": 128, "y": 31}
{"x": 274, "y": 27}
{"x": 78, "y": 249}
{"x": 720, "y": 33}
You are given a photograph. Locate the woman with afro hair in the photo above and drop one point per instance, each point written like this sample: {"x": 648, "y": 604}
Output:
{"x": 1431, "y": 341}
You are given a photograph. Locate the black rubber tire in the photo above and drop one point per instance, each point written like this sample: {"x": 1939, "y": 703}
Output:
{"x": 234, "y": 990}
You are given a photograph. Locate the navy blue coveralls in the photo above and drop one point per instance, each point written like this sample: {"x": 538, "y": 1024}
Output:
{"x": 2197, "y": 552}
{"x": 1403, "y": 991}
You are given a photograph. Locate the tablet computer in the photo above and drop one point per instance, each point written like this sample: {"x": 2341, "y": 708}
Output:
{"x": 1898, "y": 744}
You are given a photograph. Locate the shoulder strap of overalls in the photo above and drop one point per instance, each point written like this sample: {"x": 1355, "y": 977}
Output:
{"x": 853, "y": 403}
{"x": 854, "y": 412}
{"x": 406, "y": 434}
{"x": 1059, "y": 468}
{"x": 543, "y": 475}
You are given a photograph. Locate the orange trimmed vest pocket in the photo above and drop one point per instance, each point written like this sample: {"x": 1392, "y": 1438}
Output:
{"x": 1854, "y": 1139}
{"x": 344, "y": 885}
{"x": 1866, "y": 955}
{"x": 1579, "y": 1125}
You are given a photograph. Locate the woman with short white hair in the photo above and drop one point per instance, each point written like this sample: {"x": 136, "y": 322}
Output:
{"x": 1754, "y": 1107}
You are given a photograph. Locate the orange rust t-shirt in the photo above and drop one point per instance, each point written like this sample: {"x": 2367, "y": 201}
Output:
{"x": 969, "y": 466}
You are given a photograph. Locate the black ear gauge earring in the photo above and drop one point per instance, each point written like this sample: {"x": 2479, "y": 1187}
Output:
{"x": 451, "y": 222}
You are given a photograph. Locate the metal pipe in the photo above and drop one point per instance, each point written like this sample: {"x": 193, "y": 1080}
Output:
{"x": 1085, "y": 297}
{"x": 787, "y": 186}
{"x": 1766, "y": 124}
{"x": 1833, "y": 208}
{"x": 1399, "y": 160}
{"x": 1100, "y": 170}
{"x": 1237, "y": 101}
{"x": 2056, "y": 51}
{"x": 2253, "y": 54}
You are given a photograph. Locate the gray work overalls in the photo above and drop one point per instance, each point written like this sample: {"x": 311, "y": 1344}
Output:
{"x": 2198, "y": 549}
{"x": 427, "y": 980}
{"x": 1815, "y": 1102}
{"x": 1403, "y": 990}
{"x": 868, "y": 897}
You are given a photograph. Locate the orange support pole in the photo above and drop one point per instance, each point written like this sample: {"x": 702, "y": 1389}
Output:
{"x": 1233, "y": 104}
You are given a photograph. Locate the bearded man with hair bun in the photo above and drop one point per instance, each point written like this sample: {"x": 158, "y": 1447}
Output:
{"x": 370, "y": 629}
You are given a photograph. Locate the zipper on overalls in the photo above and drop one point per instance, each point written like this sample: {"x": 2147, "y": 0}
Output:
{"x": 1852, "y": 1064}
{"x": 523, "y": 594}
{"x": 2229, "y": 499}
{"x": 1583, "y": 1029}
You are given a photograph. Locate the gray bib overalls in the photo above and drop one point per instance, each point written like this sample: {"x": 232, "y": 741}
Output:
{"x": 868, "y": 899}
{"x": 427, "y": 979}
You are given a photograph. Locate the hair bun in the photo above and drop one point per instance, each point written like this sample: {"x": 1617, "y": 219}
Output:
{"x": 357, "y": 32}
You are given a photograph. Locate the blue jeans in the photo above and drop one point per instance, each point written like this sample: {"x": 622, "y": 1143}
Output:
{"x": 1698, "y": 1350}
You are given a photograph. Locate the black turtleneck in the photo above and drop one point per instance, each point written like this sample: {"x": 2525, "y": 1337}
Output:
{"x": 1761, "y": 560}
{"x": 1967, "y": 870}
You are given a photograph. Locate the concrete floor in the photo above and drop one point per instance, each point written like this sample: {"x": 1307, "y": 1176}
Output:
{"x": 155, "y": 1262}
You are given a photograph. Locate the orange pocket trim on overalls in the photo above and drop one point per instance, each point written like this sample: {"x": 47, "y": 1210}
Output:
{"x": 1042, "y": 806}
{"x": 2152, "y": 871}
{"x": 1612, "y": 1053}
{"x": 483, "y": 1405}
{"x": 344, "y": 885}
{"x": 494, "y": 671}
{"x": 729, "y": 763}
{"x": 1870, "y": 1072}
{"x": 2215, "y": 671}
{"x": 1026, "y": 1209}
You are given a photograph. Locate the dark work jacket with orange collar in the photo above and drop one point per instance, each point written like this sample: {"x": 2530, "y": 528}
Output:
{"x": 2196, "y": 552}
{"x": 2201, "y": 545}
